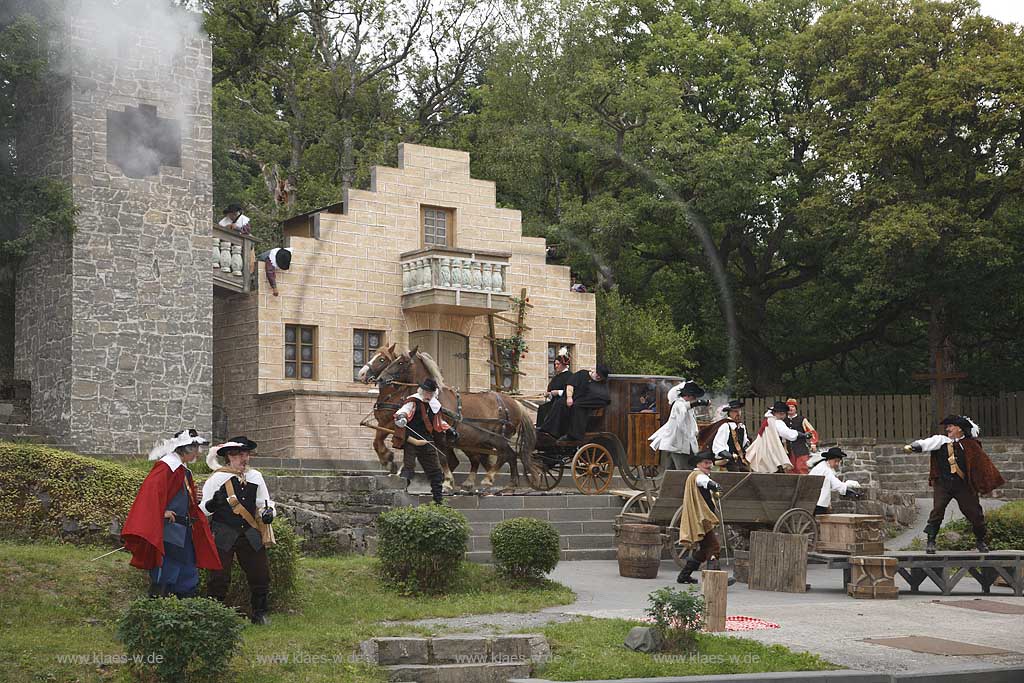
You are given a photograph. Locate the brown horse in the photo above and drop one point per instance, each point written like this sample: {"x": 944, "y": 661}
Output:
{"x": 487, "y": 421}
{"x": 388, "y": 401}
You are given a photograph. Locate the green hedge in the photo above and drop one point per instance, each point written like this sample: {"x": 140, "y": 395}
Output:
{"x": 525, "y": 548}
{"x": 47, "y": 493}
{"x": 1005, "y": 530}
{"x": 172, "y": 640}
{"x": 421, "y": 548}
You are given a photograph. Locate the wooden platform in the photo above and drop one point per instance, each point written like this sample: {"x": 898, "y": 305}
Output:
{"x": 945, "y": 568}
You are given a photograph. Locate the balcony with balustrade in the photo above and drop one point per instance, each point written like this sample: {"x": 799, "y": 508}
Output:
{"x": 455, "y": 281}
{"x": 234, "y": 261}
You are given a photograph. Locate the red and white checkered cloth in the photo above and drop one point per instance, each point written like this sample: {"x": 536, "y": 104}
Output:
{"x": 747, "y": 624}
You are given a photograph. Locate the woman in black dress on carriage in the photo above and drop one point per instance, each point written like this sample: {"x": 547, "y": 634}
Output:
{"x": 566, "y": 415}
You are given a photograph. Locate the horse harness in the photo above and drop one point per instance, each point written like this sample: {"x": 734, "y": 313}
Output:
{"x": 505, "y": 427}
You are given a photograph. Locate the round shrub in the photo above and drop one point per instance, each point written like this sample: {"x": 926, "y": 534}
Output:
{"x": 421, "y": 548}
{"x": 283, "y": 559}
{"x": 524, "y": 548}
{"x": 180, "y": 640}
{"x": 1005, "y": 530}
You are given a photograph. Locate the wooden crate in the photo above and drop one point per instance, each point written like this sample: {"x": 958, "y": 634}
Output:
{"x": 851, "y": 534}
{"x": 873, "y": 578}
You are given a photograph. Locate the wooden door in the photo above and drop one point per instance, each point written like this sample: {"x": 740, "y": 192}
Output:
{"x": 450, "y": 350}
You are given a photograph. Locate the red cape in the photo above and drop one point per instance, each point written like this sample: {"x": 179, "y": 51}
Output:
{"x": 982, "y": 475}
{"x": 143, "y": 532}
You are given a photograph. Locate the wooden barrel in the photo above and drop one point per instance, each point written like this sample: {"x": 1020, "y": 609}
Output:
{"x": 639, "y": 551}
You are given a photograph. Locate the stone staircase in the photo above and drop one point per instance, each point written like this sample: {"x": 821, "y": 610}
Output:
{"x": 585, "y": 523}
{"x": 15, "y": 414}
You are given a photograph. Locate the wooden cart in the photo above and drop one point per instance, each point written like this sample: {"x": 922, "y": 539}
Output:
{"x": 783, "y": 503}
{"x": 617, "y": 436}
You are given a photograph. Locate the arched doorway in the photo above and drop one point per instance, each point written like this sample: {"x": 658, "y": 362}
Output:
{"x": 450, "y": 350}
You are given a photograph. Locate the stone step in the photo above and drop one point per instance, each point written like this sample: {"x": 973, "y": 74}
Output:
{"x": 456, "y": 659}
{"x": 489, "y": 672}
{"x": 23, "y": 433}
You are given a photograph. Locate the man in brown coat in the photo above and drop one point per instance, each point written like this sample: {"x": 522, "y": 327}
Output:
{"x": 959, "y": 470}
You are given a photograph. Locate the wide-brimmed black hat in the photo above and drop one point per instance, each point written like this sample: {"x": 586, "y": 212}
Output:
{"x": 245, "y": 443}
{"x": 703, "y": 455}
{"x": 218, "y": 455}
{"x": 833, "y": 453}
{"x": 780, "y": 407}
{"x": 963, "y": 422}
{"x": 233, "y": 207}
{"x": 734, "y": 404}
{"x": 283, "y": 258}
{"x": 691, "y": 389}
{"x": 429, "y": 384}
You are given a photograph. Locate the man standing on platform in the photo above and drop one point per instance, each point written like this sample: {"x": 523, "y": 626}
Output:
{"x": 731, "y": 441}
{"x": 678, "y": 436}
{"x": 806, "y": 441}
{"x": 958, "y": 470}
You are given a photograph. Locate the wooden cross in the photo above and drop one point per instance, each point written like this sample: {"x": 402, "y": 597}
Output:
{"x": 942, "y": 378}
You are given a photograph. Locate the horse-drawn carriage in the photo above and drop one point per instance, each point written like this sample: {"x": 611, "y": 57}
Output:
{"x": 783, "y": 503}
{"x": 617, "y": 436}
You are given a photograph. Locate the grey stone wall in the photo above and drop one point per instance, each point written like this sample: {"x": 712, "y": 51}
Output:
{"x": 236, "y": 354}
{"x": 115, "y": 330}
{"x": 337, "y": 513}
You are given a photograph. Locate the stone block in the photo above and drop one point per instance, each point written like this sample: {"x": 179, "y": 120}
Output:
{"x": 459, "y": 649}
{"x": 512, "y": 649}
{"x": 392, "y": 651}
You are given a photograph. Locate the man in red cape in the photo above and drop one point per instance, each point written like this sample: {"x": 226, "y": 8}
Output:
{"x": 165, "y": 531}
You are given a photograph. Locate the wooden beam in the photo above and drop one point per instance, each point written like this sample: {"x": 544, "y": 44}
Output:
{"x": 715, "y": 586}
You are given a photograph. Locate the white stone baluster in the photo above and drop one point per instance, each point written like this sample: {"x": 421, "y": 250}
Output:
{"x": 485, "y": 278}
{"x": 502, "y": 275}
{"x": 424, "y": 273}
{"x": 225, "y": 256}
{"x": 236, "y": 260}
{"x": 457, "y": 273}
{"x": 406, "y": 278}
{"x": 478, "y": 275}
{"x": 216, "y": 252}
{"x": 445, "y": 272}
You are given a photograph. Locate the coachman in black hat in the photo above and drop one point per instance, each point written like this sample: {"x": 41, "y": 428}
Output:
{"x": 958, "y": 470}
{"x": 238, "y": 501}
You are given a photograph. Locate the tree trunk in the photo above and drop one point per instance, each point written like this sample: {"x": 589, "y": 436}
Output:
{"x": 941, "y": 360}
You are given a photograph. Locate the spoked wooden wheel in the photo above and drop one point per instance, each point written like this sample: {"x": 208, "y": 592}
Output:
{"x": 637, "y": 505}
{"x": 633, "y": 475}
{"x": 592, "y": 469}
{"x": 678, "y": 554}
{"x": 798, "y": 521}
{"x": 545, "y": 472}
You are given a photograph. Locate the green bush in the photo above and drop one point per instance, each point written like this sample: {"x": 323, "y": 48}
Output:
{"x": 283, "y": 559}
{"x": 421, "y": 548}
{"x": 47, "y": 493}
{"x": 677, "y": 615}
{"x": 524, "y": 548}
{"x": 1005, "y": 530}
{"x": 180, "y": 640}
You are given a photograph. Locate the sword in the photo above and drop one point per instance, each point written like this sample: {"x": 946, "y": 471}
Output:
{"x": 425, "y": 440}
{"x": 105, "y": 554}
{"x": 721, "y": 519}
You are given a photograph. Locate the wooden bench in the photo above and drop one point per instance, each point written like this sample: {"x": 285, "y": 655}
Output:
{"x": 945, "y": 569}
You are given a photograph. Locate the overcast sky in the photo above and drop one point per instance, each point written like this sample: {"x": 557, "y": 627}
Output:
{"x": 1004, "y": 10}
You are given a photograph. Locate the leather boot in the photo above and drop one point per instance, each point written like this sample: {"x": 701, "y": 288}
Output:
{"x": 929, "y": 547}
{"x": 980, "y": 543}
{"x": 686, "y": 576}
{"x": 258, "y": 601}
{"x": 157, "y": 590}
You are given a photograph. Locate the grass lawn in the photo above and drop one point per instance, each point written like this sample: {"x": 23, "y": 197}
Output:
{"x": 592, "y": 649}
{"x": 55, "y": 602}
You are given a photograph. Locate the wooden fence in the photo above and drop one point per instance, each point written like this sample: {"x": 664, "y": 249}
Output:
{"x": 895, "y": 418}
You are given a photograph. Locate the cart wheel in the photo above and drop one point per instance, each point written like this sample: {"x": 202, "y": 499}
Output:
{"x": 592, "y": 469}
{"x": 637, "y": 505}
{"x": 678, "y": 554}
{"x": 798, "y": 521}
{"x": 632, "y": 474}
{"x": 545, "y": 475}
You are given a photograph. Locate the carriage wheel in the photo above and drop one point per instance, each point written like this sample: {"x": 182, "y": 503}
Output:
{"x": 798, "y": 521}
{"x": 678, "y": 554}
{"x": 592, "y": 469}
{"x": 632, "y": 475}
{"x": 637, "y": 504}
{"x": 545, "y": 475}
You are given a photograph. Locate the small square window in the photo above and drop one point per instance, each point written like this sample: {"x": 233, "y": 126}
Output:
{"x": 364, "y": 345}
{"x": 437, "y": 226}
{"x": 299, "y": 351}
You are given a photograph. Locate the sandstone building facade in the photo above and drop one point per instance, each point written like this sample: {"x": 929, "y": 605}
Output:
{"x": 419, "y": 259}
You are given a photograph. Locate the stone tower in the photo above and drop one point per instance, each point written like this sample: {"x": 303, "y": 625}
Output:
{"x": 114, "y": 326}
